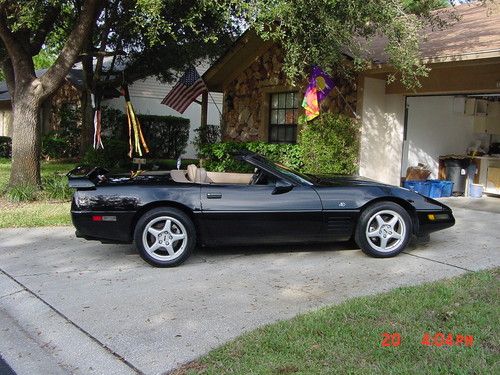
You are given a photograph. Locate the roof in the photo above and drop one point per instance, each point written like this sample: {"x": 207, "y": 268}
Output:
{"x": 75, "y": 77}
{"x": 237, "y": 58}
{"x": 475, "y": 35}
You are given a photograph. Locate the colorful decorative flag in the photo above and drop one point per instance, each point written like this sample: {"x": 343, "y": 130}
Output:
{"x": 189, "y": 87}
{"x": 320, "y": 85}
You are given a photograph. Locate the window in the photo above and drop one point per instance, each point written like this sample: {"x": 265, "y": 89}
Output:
{"x": 283, "y": 117}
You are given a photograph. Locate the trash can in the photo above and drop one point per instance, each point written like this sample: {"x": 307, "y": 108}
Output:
{"x": 456, "y": 172}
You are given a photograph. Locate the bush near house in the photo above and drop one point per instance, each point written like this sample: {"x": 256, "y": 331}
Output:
{"x": 330, "y": 145}
{"x": 327, "y": 145}
{"x": 166, "y": 136}
{"x": 64, "y": 142}
{"x": 5, "y": 147}
{"x": 217, "y": 157}
{"x": 206, "y": 135}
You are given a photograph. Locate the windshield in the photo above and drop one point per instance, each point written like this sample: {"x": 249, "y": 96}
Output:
{"x": 297, "y": 177}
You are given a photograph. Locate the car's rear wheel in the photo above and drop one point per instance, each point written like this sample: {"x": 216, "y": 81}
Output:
{"x": 384, "y": 229}
{"x": 165, "y": 237}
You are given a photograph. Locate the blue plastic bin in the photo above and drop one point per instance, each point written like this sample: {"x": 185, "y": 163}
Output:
{"x": 422, "y": 187}
{"x": 440, "y": 188}
{"x": 447, "y": 188}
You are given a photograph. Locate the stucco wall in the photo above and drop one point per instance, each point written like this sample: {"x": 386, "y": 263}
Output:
{"x": 246, "y": 118}
{"x": 382, "y": 129}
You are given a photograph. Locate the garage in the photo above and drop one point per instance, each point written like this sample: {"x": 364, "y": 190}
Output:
{"x": 441, "y": 127}
{"x": 451, "y": 118}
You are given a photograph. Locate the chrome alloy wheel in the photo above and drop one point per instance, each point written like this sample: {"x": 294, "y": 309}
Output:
{"x": 386, "y": 230}
{"x": 165, "y": 238}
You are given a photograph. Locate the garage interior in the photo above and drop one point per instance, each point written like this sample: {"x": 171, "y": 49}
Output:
{"x": 441, "y": 127}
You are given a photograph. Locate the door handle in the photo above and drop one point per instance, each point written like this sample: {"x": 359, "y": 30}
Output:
{"x": 214, "y": 195}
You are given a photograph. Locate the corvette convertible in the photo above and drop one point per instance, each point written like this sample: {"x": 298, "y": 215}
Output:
{"x": 166, "y": 214}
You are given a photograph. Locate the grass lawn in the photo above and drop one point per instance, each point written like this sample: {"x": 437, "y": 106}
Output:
{"x": 34, "y": 214}
{"x": 347, "y": 338}
{"x": 38, "y": 213}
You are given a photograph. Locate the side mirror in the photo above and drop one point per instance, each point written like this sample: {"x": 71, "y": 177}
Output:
{"x": 282, "y": 187}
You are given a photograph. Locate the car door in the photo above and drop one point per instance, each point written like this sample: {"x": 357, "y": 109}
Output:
{"x": 252, "y": 214}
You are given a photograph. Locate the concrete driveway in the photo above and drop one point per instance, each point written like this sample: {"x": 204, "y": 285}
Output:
{"x": 68, "y": 305}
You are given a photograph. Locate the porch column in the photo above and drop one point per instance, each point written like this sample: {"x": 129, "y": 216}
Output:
{"x": 204, "y": 109}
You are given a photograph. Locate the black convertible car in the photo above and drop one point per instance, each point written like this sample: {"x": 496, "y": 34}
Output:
{"x": 167, "y": 213}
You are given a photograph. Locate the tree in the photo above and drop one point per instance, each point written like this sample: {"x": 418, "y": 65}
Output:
{"x": 76, "y": 26}
{"x": 187, "y": 39}
{"x": 23, "y": 31}
{"x": 332, "y": 32}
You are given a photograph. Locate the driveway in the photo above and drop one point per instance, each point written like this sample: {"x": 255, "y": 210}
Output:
{"x": 68, "y": 305}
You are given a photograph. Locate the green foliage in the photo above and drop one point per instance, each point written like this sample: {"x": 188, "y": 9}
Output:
{"x": 217, "y": 157}
{"x": 22, "y": 193}
{"x": 114, "y": 155}
{"x": 327, "y": 145}
{"x": 55, "y": 187}
{"x": 322, "y": 32}
{"x": 114, "y": 123}
{"x": 206, "y": 135}
{"x": 64, "y": 142}
{"x": 166, "y": 136}
{"x": 5, "y": 147}
{"x": 330, "y": 145}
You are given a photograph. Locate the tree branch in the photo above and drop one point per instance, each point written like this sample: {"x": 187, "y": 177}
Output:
{"x": 72, "y": 48}
{"x": 45, "y": 27}
{"x": 8, "y": 71}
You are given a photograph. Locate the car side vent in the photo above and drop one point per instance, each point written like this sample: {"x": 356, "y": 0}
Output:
{"x": 339, "y": 225}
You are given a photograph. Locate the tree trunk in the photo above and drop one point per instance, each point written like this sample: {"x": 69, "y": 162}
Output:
{"x": 26, "y": 142}
{"x": 87, "y": 128}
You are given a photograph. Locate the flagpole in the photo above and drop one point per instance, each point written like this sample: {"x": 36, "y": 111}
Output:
{"x": 346, "y": 102}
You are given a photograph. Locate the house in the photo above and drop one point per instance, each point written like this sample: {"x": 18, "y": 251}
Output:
{"x": 146, "y": 96}
{"x": 456, "y": 106}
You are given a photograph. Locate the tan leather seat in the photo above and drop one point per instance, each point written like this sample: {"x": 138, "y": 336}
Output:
{"x": 197, "y": 175}
{"x": 191, "y": 172}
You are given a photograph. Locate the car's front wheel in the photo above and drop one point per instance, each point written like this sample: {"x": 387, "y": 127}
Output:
{"x": 384, "y": 230}
{"x": 165, "y": 237}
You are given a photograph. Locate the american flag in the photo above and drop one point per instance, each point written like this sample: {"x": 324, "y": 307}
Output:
{"x": 189, "y": 87}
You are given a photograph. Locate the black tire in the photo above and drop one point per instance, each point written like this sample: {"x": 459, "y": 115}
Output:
{"x": 384, "y": 243}
{"x": 151, "y": 231}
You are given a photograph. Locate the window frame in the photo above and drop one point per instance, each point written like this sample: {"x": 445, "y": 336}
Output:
{"x": 285, "y": 126}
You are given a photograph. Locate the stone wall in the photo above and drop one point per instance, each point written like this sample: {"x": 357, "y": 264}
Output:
{"x": 246, "y": 104}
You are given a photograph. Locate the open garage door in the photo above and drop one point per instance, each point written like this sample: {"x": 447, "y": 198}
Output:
{"x": 439, "y": 126}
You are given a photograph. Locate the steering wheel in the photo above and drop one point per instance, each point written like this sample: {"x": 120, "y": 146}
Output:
{"x": 257, "y": 177}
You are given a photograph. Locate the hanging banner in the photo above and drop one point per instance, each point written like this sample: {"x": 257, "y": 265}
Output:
{"x": 320, "y": 85}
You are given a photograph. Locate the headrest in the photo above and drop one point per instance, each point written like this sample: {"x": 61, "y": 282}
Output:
{"x": 191, "y": 172}
{"x": 201, "y": 175}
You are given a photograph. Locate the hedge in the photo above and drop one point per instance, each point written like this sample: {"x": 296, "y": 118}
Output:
{"x": 327, "y": 145}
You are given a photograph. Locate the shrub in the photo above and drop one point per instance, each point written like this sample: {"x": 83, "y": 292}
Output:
{"x": 65, "y": 141}
{"x": 327, "y": 145}
{"x": 330, "y": 145}
{"x": 217, "y": 156}
{"x": 206, "y": 135}
{"x": 21, "y": 193}
{"x": 5, "y": 147}
{"x": 54, "y": 147}
{"x": 56, "y": 187}
{"x": 114, "y": 155}
{"x": 166, "y": 136}
{"x": 114, "y": 123}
